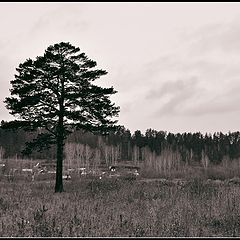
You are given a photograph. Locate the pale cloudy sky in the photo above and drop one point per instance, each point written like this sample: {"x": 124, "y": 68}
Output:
{"x": 176, "y": 66}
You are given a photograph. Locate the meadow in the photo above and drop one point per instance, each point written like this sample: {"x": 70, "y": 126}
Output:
{"x": 120, "y": 208}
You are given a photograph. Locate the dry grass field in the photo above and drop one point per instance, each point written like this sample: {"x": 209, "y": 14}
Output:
{"x": 120, "y": 208}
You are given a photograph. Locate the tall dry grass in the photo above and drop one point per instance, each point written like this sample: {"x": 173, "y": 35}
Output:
{"x": 113, "y": 208}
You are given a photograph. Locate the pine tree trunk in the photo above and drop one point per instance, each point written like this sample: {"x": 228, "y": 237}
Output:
{"x": 60, "y": 144}
{"x": 59, "y": 181}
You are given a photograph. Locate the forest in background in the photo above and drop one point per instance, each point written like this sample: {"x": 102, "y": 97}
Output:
{"x": 153, "y": 147}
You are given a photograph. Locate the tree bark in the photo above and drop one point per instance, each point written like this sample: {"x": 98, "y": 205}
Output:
{"x": 60, "y": 144}
{"x": 59, "y": 181}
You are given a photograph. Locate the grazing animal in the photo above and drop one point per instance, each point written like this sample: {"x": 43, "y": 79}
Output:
{"x": 112, "y": 168}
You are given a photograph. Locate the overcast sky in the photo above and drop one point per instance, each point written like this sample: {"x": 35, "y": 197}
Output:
{"x": 176, "y": 66}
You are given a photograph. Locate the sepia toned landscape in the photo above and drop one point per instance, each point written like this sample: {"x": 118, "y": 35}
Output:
{"x": 119, "y": 120}
{"x": 169, "y": 197}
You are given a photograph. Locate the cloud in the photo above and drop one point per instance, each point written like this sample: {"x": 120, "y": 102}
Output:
{"x": 176, "y": 87}
{"x": 207, "y": 54}
{"x": 220, "y": 37}
{"x": 172, "y": 97}
{"x": 222, "y": 103}
{"x": 64, "y": 16}
{"x": 188, "y": 98}
{"x": 213, "y": 107}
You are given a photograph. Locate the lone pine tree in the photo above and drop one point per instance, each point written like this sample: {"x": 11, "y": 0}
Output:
{"x": 55, "y": 92}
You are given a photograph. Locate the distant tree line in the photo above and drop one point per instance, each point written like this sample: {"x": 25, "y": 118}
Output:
{"x": 191, "y": 146}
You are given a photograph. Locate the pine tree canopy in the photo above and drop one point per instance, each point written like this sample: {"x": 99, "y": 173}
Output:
{"x": 56, "y": 91}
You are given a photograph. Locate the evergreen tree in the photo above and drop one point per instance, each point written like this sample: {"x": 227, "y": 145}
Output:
{"x": 55, "y": 93}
